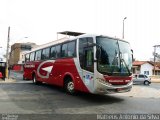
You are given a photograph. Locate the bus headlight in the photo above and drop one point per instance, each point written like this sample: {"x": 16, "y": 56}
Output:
{"x": 103, "y": 81}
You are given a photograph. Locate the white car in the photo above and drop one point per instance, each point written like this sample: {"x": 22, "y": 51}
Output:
{"x": 141, "y": 79}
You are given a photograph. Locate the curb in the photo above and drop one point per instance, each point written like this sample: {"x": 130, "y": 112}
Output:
{"x": 155, "y": 80}
{"x": 10, "y": 80}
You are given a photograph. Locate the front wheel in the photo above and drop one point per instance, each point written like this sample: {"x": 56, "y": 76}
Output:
{"x": 69, "y": 86}
{"x": 24, "y": 78}
{"x": 35, "y": 80}
{"x": 146, "y": 82}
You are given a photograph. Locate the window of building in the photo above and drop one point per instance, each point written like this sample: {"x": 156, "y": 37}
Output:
{"x": 32, "y": 55}
{"x": 27, "y": 57}
{"x": 38, "y": 55}
{"x": 25, "y": 47}
{"x": 146, "y": 72}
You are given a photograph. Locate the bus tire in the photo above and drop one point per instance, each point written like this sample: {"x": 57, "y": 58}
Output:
{"x": 69, "y": 86}
{"x": 35, "y": 80}
{"x": 24, "y": 78}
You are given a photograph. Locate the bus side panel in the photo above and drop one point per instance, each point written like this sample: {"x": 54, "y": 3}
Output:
{"x": 28, "y": 70}
{"x": 26, "y": 74}
{"x": 63, "y": 67}
{"x": 42, "y": 73}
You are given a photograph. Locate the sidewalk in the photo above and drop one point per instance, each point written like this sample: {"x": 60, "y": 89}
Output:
{"x": 10, "y": 80}
{"x": 155, "y": 80}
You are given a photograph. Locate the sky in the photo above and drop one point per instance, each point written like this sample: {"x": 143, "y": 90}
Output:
{"x": 39, "y": 20}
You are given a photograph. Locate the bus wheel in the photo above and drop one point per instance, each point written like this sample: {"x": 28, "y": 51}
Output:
{"x": 35, "y": 80}
{"x": 24, "y": 78}
{"x": 69, "y": 86}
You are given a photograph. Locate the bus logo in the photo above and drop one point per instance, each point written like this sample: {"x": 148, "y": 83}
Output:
{"x": 47, "y": 69}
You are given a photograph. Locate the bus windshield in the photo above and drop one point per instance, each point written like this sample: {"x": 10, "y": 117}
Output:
{"x": 115, "y": 58}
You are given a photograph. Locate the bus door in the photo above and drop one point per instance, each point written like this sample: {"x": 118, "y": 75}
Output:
{"x": 86, "y": 61}
{"x": 88, "y": 68}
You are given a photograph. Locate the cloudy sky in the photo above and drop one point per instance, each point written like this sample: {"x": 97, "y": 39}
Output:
{"x": 39, "y": 20}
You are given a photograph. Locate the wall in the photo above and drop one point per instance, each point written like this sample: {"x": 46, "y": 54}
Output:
{"x": 14, "y": 55}
{"x": 22, "y": 57}
{"x": 147, "y": 67}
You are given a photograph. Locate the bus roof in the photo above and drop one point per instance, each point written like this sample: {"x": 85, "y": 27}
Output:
{"x": 76, "y": 35}
{"x": 70, "y": 33}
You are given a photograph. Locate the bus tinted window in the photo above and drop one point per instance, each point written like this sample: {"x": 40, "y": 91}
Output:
{"x": 32, "y": 55}
{"x": 27, "y": 57}
{"x": 58, "y": 51}
{"x": 64, "y": 50}
{"x": 38, "y": 55}
{"x": 45, "y": 53}
{"x": 68, "y": 49}
{"x": 71, "y": 49}
{"x": 55, "y": 52}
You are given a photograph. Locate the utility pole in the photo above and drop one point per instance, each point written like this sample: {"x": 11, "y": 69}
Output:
{"x": 123, "y": 28}
{"x": 7, "y": 52}
{"x": 155, "y": 55}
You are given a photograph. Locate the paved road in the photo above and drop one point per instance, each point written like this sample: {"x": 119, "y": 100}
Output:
{"x": 49, "y": 101}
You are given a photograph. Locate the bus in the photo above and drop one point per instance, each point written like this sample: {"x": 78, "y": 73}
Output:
{"x": 89, "y": 63}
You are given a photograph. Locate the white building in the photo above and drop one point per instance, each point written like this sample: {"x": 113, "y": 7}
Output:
{"x": 145, "y": 67}
{"x": 22, "y": 57}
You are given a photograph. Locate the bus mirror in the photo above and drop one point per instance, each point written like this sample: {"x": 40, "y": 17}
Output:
{"x": 132, "y": 56}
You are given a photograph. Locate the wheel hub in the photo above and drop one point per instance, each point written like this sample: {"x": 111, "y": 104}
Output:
{"x": 70, "y": 86}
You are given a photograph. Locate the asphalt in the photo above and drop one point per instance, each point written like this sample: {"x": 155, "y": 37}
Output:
{"x": 17, "y": 76}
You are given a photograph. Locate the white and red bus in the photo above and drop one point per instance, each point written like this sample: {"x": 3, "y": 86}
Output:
{"x": 90, "y": 63}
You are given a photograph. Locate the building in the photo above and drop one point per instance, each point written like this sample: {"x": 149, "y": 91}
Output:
{"x": 17, "y": 53}
{"x": 145, "y": 67}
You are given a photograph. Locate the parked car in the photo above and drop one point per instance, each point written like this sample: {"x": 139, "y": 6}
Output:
{"x": 141, "y": 79}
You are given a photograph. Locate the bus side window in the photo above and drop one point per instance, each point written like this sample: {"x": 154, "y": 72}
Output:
{"x": 45, "y": 53}
{"x": 38, "y": 55}
{"x": 71, "y": 49}
{"x": 32, "y": 56}
{"x": 64, "y": 50}
{"x": 53, "y": 52}
{"x": 68, "y": 49}
{"x": 58, "y": 51}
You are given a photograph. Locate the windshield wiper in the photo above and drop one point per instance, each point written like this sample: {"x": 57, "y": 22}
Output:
{"x": 114, "y": 62}
{"x": 121, "y": 59}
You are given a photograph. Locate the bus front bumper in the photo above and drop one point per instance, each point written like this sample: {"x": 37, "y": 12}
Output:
{"x": 104, "y": 88}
